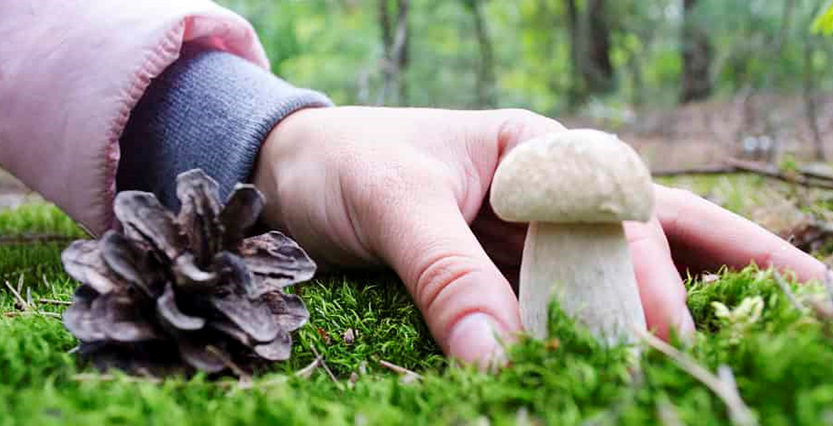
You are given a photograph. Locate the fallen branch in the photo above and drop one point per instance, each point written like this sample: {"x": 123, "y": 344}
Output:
{"x": 724, "y": 388}
{"x": 734, "y": 165}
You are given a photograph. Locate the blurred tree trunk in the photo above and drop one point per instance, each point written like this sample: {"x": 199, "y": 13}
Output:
{"x": 697, "y": 57}
{"x": 486, "y": 84}
{"x": 576, "y": 93}
{"x": 599, "y": 67}
{"x": 591, "y": 67}
{"x": 395, "y": 42}
{"x": 810, "y": 107}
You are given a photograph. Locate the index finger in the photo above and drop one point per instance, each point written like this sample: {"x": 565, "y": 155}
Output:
{"x": 704, "y": 236}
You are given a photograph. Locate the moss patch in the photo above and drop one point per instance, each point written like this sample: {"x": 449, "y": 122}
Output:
{"x": 781, "y": 361}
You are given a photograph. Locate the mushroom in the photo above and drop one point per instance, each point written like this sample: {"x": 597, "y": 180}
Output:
{"x": 575, "y": 188}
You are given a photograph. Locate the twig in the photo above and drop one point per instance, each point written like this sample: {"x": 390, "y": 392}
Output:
{"x": 48, "y": 284}
{"x": 324, "y": 364}
{"x": 734, "y": 165}
{"x": 701, "y": 170}
{"x": 307, "y": 371}
{"x": 26, "y": 313}
{"x": 54, "y": 302}
{"x": 401, "y": 370}
{"x": 668, "y": 413}
{"x": 786, "y": 289}
{"x": 22, "y": 302}
{"x": 35, "y": 238}
{"x": 242, "y": 375}
{"x": 728, "y": 392}
{"x": 91, "y": 377}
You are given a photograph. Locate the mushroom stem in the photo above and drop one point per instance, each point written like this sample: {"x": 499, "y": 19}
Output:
{"x": 588, "y": 268}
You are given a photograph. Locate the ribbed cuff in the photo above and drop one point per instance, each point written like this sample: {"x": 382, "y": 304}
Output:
{"x": 210, "y": 110}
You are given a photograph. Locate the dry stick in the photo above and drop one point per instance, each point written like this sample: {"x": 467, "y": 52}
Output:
{"x": 242, "y": 375}
{"x": 35, "y": 238}
{"x": 307, "y": 371}
{"x": 20, "y": 300}
{"x": 25, "y": 313}
{"x": 88, "y": 377}
{"x": 324, "y": 364}
{"x": 734, "y": 165}
{"x": 398, "y": 369}
{"x": 726, "y": 391}
{"x": 54, "y": 302}
{"x": 48, "y": 284}
{"x": 828, "y": 284}
{"x": 668, "y": 413}
{"x": 701, "y": 170}
{"x": 786, "y": 289}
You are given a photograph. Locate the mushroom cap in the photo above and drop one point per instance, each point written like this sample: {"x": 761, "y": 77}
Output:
{"x": 575, "y": 176}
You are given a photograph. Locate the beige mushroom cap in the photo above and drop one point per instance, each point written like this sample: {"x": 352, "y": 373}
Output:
{"x": 575, "y": 176}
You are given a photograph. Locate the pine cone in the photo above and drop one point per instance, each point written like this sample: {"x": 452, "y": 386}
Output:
{"x": 186, "y": 292}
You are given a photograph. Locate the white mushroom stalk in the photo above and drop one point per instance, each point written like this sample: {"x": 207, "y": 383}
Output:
{"x": 575, "y": 188}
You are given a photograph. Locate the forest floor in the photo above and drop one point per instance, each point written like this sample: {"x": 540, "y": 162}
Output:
{"x": 762, "y": 354}
{"x": 708, "y": 132}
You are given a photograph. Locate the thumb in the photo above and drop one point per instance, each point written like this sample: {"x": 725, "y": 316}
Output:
{"x": 467, "y": 303}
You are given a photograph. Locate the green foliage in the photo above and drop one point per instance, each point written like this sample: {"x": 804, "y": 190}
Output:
{"x": 824, "y": 23}
{"x": 336, "y": 47}
{"x": 780, "y": 357}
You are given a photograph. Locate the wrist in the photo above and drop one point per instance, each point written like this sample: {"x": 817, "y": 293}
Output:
{"x": 279, "y": 156}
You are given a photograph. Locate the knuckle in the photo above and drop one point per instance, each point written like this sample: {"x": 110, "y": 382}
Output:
{"x": 439, "y": 276}
{"x": 519, "y": 125}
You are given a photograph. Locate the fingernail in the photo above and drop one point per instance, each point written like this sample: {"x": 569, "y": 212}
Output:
{"x": 474, "y": 339}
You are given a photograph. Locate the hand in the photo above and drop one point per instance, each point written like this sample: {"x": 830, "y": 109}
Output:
{"x": 406, "y": 187}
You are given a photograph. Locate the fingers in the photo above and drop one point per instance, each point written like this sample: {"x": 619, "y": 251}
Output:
{"x": 704, "y": 236}
{"x": 466, "y": 301}
{"x": 660, "y": 286}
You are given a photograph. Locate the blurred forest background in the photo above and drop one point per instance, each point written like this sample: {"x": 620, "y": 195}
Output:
{"x": 708, "y": 78}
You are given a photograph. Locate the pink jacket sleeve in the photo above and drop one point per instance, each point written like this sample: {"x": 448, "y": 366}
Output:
{"x": 70, "y": 73}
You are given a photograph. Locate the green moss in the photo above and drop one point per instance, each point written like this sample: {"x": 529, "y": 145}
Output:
{"x": 781, "y": 361}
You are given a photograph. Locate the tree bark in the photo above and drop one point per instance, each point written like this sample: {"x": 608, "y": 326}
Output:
{"x": 810, "y": 107}
{"x": 697, "y": 56}
{"x": 395, "y": 44}
{"x": 486, "y": 84}
{"x": 598, "y": 72}
{"x": 576, "y": 92}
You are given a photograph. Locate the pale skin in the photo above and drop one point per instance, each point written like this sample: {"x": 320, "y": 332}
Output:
{"x": 408, "y": 188}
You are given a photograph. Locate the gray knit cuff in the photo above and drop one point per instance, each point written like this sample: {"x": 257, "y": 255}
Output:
{"x": 210, "y": 110}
